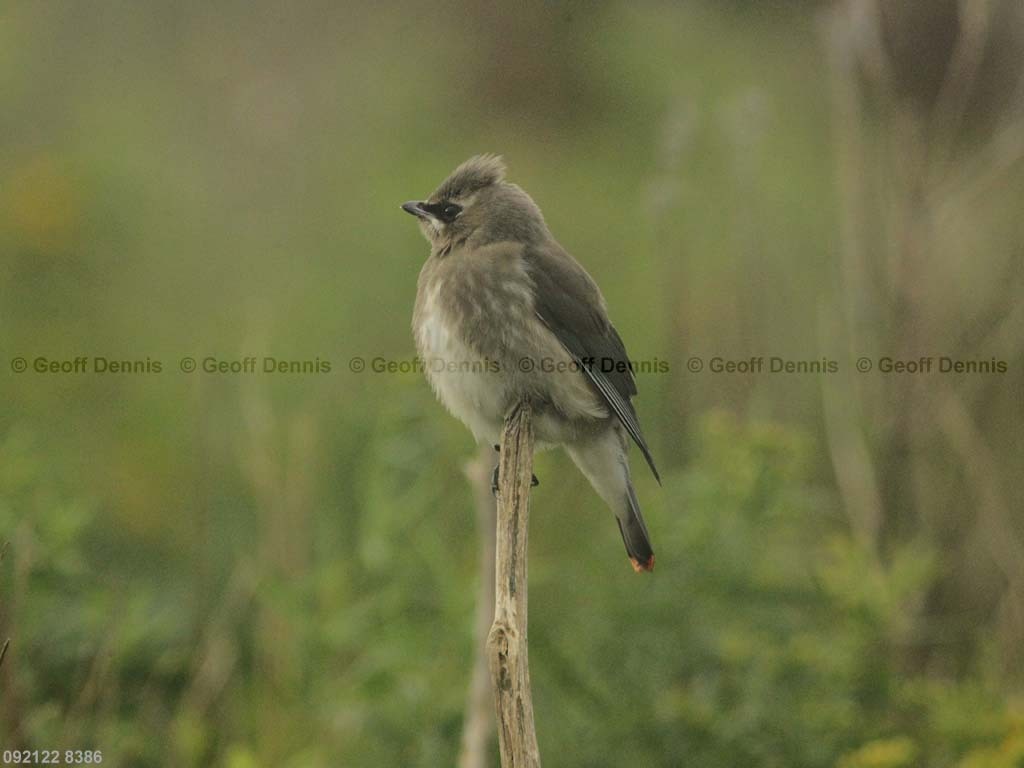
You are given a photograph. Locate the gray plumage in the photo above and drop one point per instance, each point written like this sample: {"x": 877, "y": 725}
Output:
{"x": 503, "y": 311}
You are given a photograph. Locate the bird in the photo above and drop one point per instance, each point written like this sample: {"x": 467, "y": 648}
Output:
{"x": 502, "y": 313}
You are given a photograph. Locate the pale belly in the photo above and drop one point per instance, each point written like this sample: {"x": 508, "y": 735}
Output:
{"x": 469, "y": 386}
{"x": 479, "y": 391}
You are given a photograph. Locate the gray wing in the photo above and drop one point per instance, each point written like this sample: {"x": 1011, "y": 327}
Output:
{"x": 569, "y": 303}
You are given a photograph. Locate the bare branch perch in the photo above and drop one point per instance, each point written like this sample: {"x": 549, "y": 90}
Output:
{"x": 507, "y": 642}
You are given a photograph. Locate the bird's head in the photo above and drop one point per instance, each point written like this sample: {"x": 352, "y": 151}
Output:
{"x": 476, "y": 202}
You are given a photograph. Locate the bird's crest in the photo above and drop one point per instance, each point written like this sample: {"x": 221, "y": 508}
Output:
{"x": 476, "y": 173}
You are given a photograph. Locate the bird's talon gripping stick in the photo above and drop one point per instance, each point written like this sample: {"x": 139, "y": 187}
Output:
{"x": 507, "y": 641}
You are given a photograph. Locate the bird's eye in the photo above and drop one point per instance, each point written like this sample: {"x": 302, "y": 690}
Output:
{"x": 450, "y": 211}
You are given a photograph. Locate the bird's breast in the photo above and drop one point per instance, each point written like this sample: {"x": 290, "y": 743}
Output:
{"x": 466, "y": 381}
{"x": 483, "y": 347}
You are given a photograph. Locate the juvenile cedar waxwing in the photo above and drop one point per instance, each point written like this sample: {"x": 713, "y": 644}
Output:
{"x": 502, "y": 312}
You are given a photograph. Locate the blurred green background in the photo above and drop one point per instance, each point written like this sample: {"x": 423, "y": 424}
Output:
{"x": 281, "y": 570}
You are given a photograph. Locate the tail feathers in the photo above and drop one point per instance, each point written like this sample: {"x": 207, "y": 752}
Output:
{"x": 634, "y": 534}
{"x": 603, "y": 461}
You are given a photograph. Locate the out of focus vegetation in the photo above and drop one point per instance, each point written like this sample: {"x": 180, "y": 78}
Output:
{"x": 241, "y": 571}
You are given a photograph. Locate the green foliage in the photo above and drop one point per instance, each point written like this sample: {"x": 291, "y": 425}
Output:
{"x": 767, "y": 636}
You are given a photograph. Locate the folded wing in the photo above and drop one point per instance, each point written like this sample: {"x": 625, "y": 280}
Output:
{"x": 570, "y": 305}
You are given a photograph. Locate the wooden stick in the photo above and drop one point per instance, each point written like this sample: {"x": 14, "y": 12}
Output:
{"x": 507, "y": 642}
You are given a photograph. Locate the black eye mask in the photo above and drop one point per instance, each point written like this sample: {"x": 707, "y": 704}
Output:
{"x": 443, "y": 210}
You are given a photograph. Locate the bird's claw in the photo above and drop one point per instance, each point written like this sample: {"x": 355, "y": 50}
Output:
{"x": 534, "y": 482}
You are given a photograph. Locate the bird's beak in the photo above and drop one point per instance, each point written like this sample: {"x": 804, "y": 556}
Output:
{"x": 415, "y": 208}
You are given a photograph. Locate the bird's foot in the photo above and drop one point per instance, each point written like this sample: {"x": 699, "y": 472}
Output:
{"x": 534, "y": 482}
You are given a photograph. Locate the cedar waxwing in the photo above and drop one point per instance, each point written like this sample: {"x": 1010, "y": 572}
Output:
{"x": 502, "y": 312}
